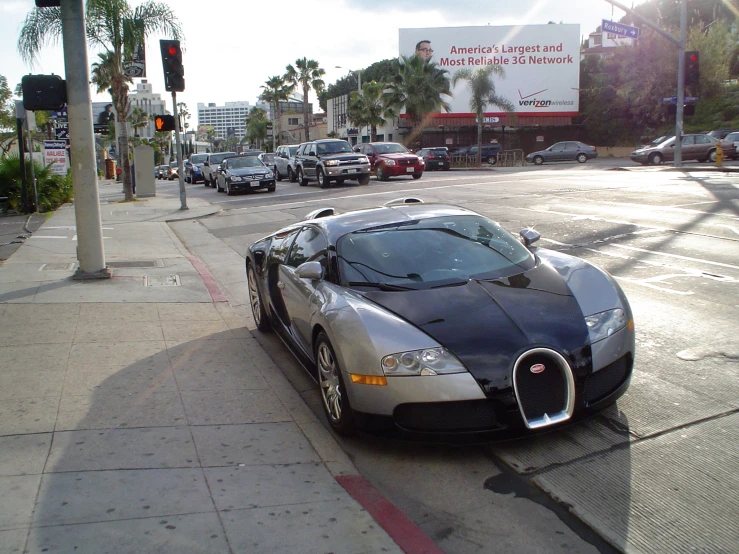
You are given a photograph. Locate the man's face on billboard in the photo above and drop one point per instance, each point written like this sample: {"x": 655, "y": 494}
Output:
{"x": 424, "y": 50}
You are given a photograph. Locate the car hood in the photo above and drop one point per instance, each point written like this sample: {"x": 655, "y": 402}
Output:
{"x": 488, "y": 324}
{"x": 398, "y": 156}
{"x": 245, "y": 171}
{"x": 348, "y": 156}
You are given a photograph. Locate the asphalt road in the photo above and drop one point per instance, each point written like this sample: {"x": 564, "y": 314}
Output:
{"x": 654, "y": 473}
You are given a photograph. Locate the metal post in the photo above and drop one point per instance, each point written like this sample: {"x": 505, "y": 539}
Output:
{"x": 33, "y": 169}
{"x": 680, "y": 84}
{"x": 180, "y": 164}
{"x": 90, "y": 253}
{"x": 22, "y": 159}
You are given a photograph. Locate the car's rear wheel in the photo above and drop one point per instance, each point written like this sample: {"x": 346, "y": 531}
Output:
{"x": 333, "y": 392}
{"x": 323, "y": 181}
{"x": 656, "y": 159}
{"x": 492, "y": 160}
{"x": 255, "y": 299}
{"x": 582, "y": 158}
{"x": 538, "y": 160}
{"x": 382, "y": 173}
{"x": 302, "y": 181}
{"x": 364, "y": 179}
{"x": 278, "y": 175}
{"x": 218, "y": 187}
{"x": 187, "y": 179}
{"x": 291, "y": 175}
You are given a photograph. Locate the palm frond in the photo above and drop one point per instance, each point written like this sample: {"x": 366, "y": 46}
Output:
{"x": 41, "y": 27}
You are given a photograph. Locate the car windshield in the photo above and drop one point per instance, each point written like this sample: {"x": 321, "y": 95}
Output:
{"x": 732, "y": 136}
{"x": 293, "y": 150}
{"x": 198, "y": 158}
{"x": 390, "y": 148}
{"x": 438, "y": 150}
{"x": 431, "y": 252}
{"x": 333, "y": 147}
{"x": 268, "y": 158}
{"x": 218, "y": 158}
{"x": 245, "y": 161}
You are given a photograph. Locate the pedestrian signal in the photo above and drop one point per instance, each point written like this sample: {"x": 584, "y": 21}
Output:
{"x": 164, "y": 122}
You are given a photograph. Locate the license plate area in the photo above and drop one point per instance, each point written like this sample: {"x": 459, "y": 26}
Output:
{"x": 409, "y": 170}
{"x": 254, "y": 183}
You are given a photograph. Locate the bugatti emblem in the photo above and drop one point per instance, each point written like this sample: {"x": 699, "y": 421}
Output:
{"x": 537, "y": 368}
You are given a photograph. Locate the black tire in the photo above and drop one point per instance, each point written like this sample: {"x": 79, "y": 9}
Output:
{"x": 187, "y": 179}
{"x": 270, "y": 189}
{"x": 255, "y": 300}
{"x": 291, "y": 175}
{"x": 218, "y": 187}
{"x": 656, "y": 159}
{"x": 339, "y": 181}
{"x": 538, "y": 160}
{"x": 417, "y": 175}
{"x": 278, "y": 175}
{"x": 334, "y": 398}
{"x": 381, "y": 175}
{"x": 302, "y": 181}
{"x": 323, "y": 181}
{"x": 206, "y": 182}
{"x": 711, "y": 156}
{"x": 582, "y": 158}
{"x": 364, "y": 179}
{"x": 492, "y": 160}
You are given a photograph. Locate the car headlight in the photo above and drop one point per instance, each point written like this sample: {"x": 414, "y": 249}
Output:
{"x": 420, "y": 159}
{"x": 235, "y": 178}
{"x": 430, "y": 361}
{"x": 270, "y": 175}
{"x": 604, "y": 324}
{"x": 363, "y": 160}
{"x": 332, "y": 162}
{"x": 389, "y": 162}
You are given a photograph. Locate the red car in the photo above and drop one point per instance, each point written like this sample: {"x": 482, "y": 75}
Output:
{"x": 390, "y": 159}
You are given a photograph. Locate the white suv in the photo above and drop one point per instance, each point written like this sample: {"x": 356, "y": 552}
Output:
{"x": 211, "y": 166}
{"x": 284, "y": 165}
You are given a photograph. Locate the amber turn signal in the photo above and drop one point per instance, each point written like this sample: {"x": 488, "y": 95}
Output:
{"x": 378, "y": 380}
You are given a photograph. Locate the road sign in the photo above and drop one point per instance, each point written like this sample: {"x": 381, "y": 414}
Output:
{"x": 671, "y": 99}
{"x": 490, "y": 119}
{"x": 620, "y": 29}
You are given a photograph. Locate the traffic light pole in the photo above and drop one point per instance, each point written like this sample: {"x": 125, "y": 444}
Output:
{"x": 90, "y": 253}
{"x": 680, "y": 43}
{"x": 180, "y": 164}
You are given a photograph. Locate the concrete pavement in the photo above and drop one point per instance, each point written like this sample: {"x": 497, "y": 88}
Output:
{"x": 138, "y": 414}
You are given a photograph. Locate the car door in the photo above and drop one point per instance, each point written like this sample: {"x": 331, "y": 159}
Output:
{"x": 300, "y": 296}
{"x": 690, "y": 149}
{"x": 310, "y": 161}
{"x": 702, "y": 146}
{"x": 556, "y": 152}
{"x": 571, "y": 151}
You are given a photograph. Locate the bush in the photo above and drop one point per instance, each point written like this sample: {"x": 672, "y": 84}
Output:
{"x": 53, "y": 190}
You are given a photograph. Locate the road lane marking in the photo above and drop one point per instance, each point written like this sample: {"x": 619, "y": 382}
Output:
{"x": 674, "y": 256}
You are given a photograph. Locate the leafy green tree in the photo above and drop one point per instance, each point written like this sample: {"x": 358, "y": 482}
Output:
{"x": 371, "y": 108}
{"x": 307, "y": 75}
{"x": 7, "y": 107}
{"x": 116, "y": 27}
{"x": 419, "y": 86}
{"x": 138, "y": 119}
{"x": 256, "y": 127}
{"x": 275, "y": 91}
{"x": 482, "y": 93}
{"x": 184, "y": 116}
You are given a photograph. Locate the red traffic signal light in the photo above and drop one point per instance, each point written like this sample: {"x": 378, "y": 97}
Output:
{"x": 692, "y": 70}
{"x": 164, "y": 122}
{"x": 174, "y": 71}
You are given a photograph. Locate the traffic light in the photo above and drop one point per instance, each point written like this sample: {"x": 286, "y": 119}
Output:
{"x": 164, "y": 122}
{"x": 48, "y": 3}
{"x": 43, "y": 92}
{"x": 174, "y": 71}
{"x": 692, "y": 73}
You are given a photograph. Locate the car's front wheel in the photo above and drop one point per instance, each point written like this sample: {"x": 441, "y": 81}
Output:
{"x": 656, "y": 159}
{"x": 417, "y": 175}
{"x": 323, "y": 181}
{"x": 333, "y": 392}
{"x": 291, "y": 175}
{"x": 228, "y": 190}
{"x": 582, "y": 158}
{"x": 302, "y": 181}
{"x": 538, "y": 160}
{"x": 382, "y": 173}
{"x": 712, "y": 156}
{"x": 255, "y": 299}
{"x": 364, "y": 179}
{"x": 278, "y": 175}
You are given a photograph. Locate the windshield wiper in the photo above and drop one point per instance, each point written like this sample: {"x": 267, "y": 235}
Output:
{"x": 382, "y": 286}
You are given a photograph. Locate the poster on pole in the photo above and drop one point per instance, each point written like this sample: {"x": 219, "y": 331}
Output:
{"x": 541, "y": 64}
{"x": 55, "y": 153}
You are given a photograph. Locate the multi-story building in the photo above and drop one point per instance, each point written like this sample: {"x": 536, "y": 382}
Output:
{"x": 228, "y": 120}
{"x": 341, "y": 126}
{"x": 151, "y": 102}
{"x": 602, "y": 43}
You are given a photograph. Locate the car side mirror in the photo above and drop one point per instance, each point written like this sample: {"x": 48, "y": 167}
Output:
{"x": 529, "y": 236}
{"x": 310, "y": 270}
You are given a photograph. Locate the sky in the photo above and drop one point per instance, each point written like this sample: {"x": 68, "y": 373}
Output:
{"x": 232, "y": 47}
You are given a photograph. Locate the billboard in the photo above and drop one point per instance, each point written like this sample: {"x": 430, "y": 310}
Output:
{"x": 541, "y": 63}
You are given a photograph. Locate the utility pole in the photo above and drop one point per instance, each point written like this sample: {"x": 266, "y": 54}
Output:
{"x": 180, "y": 163}
{"x": 90, "y": 253}
{"x": 680, "y": 43}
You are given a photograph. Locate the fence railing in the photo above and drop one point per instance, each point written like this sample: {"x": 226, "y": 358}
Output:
{"x": 507, "y": 158}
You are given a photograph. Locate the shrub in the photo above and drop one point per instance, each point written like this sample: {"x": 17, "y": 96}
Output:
{"x": 53, "y": 190}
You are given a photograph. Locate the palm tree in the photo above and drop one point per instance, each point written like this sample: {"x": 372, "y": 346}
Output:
{"x": 138, "y": 119}
{"x": 307, "y": 75}
{"x": 275, "y": 90}
{"x": 419, "y": 87}
{"x": 370, "y": 108}
{"x": 116, "y": 27}
{"x": 256, "y": 127}
{"x": 482, "y": 94}
{"x": 184, "y": 116}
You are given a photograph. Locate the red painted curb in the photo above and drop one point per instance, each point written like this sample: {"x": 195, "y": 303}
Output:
{"x": 210, "y": 282}
{"x": 401, "y": 529}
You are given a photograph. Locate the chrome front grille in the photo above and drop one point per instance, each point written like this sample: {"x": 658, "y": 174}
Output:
{"x": 544, "y": 387}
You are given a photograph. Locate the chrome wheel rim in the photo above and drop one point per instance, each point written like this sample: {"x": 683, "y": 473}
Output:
{"x": 328, "y": 378}
{"x": 256, "y": 304}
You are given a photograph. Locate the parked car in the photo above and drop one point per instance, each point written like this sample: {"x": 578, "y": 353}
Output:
{"x": 435, "y": 158}
{"x": 330, "y": 160}
{"x": 267, "y": 158}
{"x": 194, "y": 168}
{"x": 720, "y": 133}
{"x": 284, "y": 166}
{"x": 163, "y": 171}
{"x": 432, "y": 320}
{"x": 174, "y": 167}
{"x": 244, "y": 174}
{"x": 567, "y": 151}
{"x": 733, "y": 138}
{"x": 391, "y": 159}
{"x": 488, "y": 154}
{"x": 211, "y": 165}
{"x": 695, "y": 146}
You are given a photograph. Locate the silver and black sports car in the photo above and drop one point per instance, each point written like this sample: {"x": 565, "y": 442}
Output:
{"x": 431, "y": 320}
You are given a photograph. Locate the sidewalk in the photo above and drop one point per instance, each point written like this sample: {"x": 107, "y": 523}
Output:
{"x": 138, "y": 414}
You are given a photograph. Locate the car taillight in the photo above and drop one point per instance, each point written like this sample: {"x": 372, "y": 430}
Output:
{"x": 431, "y": 156}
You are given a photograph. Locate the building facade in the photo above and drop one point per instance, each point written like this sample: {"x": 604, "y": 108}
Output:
{"x": 150, "y": 102}
{"x": 226, "y": 121}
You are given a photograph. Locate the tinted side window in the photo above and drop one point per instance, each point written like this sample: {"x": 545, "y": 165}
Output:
{"x": 706, "y": 140}
{"x": 309, "y": 246}
{"x": 558, "y": 147}
{"x": 281, "y": 244}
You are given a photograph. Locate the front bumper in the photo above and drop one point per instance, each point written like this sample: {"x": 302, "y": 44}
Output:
{"x": 397, "y": 170}
{"x": 248, "y": 185}
{"x": 347, "y": 171}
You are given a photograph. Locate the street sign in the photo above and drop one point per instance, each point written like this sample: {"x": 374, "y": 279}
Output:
{"x": 620, "y": 29}
{"x": 670, "y": 99}
{"x": 490, "y": 119}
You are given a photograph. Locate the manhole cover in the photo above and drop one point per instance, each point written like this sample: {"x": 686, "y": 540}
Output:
{"x": 57, "y": 267}
{"x": 134, "y": 263}
{"x": 162, "y": 281}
